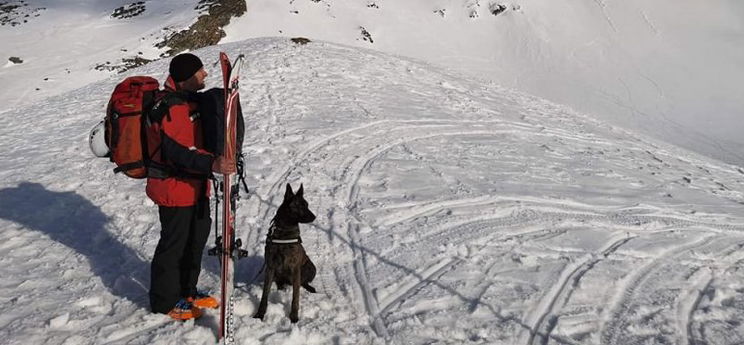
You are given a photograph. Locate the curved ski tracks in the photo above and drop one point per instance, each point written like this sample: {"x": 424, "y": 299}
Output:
{"x": 700, "y": 286}
{"x": 308, "y": 155}
{"x": 637, "y": 282}
{"x": 561, "y": 291}
{"x": 367, "y": 143}
{"x": 347, "y": 174}
{"x": 352, "y": 174}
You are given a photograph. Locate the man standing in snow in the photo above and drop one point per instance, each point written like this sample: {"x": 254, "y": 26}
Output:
{"x": 178, "y": 183}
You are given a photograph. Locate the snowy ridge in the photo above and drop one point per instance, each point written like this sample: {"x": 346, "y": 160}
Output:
{"x": 668, "y": 69}
{"x": 450, "y": 210}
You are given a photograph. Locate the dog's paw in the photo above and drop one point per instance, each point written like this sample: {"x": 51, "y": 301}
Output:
{"x": 258, "y": 316}
{"x": 309, "y": 288}
{"x": 294, "y": 318}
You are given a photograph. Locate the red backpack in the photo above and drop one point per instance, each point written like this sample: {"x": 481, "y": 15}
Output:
{"x": 127, "y": 124}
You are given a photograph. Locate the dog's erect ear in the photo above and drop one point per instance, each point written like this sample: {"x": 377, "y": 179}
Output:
{"x": 288, "y": 194}
{"x": 300, "y": 191}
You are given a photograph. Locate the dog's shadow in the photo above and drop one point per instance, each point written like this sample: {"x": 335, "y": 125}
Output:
{"x": 75, "y": 222}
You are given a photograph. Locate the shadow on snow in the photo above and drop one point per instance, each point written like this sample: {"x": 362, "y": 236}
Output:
{"x": 72, "y": 220}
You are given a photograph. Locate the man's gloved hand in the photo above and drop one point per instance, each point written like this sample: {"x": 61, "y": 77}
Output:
{"x": 221, "y": 165}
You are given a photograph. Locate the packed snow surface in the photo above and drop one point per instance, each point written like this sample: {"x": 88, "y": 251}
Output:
{"x": 450, "y": 211}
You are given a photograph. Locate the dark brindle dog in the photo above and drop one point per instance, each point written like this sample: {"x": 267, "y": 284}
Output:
{"x": 286, "y": 260}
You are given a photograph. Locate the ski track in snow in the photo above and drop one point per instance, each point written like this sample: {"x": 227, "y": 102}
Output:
{"x": 573, "y": 273}
{"x": 449, "y": 211}
{"x": 630, "y": 303}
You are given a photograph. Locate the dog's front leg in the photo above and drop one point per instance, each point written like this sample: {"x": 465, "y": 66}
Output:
{"x": 265, "y": 296}
{"x": 296, "y": 277}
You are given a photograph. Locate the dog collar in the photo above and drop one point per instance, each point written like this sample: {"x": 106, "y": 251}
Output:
{"x": 295, "y": 240}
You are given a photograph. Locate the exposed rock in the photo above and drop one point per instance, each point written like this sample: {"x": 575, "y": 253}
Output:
{"x": 473, "y": 6}
{"x": 17, "y": 12}
{"x": 366, "y": 35}
{"x": 300, "y": 40}
{"x": 497, "y": 9}
{"x": 207, "y": 30}
{"x": 125, "y": 65}
{"x": 16, "y": 60}
{"x": 129, "y": 11}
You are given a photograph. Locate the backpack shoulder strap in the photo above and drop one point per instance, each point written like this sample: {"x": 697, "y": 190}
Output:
{"x": 163, "y": 101}
{"x": 175, "y": 97}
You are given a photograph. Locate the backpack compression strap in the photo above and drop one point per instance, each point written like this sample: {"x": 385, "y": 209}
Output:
{"x": 129, "y": 166}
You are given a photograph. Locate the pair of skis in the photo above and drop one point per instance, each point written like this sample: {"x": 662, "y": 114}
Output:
{"x": 228, "y": 246}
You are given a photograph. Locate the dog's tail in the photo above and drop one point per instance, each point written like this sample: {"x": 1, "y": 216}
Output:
{"x": 309, "y": 287}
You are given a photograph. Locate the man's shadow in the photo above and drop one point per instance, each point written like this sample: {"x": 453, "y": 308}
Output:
{"x": 72, "y": 220}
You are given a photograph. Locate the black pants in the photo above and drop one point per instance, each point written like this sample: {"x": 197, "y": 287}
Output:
{"x": 177, "y": 261}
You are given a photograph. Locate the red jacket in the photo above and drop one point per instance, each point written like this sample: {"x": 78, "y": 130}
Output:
{"x": 179, "y": 148}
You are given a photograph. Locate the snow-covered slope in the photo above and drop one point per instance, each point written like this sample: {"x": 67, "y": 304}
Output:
{"x": 65, "y": 45}
{"x": 668, "y": 68}
{"x": 450, "y": 211}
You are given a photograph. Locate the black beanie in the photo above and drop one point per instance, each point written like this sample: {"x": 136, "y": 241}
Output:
{"x": 183, "y": 66}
